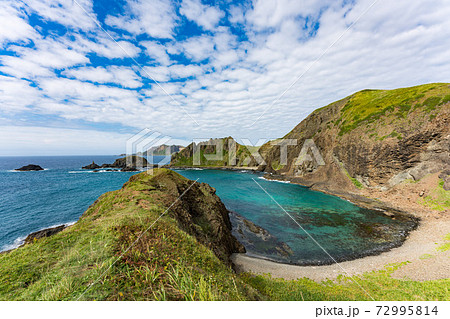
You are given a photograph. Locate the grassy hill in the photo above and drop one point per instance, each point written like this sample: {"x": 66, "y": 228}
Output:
{"x": 372, "y": 139}
{"x": 230, "y": 147}
{"x": 180, "y": 256}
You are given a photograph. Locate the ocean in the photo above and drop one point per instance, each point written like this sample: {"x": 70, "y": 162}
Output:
{"x": 31, "y": 201}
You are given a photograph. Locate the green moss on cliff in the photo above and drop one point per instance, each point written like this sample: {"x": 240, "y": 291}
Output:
{"x": 186, "y": 156}
{"x": 369, "y": 106}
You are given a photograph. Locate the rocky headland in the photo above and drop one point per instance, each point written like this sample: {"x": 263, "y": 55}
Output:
{"x": 130, "y": 163}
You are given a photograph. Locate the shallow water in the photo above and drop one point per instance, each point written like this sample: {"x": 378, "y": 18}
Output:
{"x": 342, "y": 229}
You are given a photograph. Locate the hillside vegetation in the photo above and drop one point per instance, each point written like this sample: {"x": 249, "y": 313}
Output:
{"x": 207, "y": 150}
{"x": 181, "y": 256}
{"x": 371, "y": 139}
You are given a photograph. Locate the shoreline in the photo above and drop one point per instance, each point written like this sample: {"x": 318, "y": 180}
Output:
{"x": 227, "y": 168}
{"x": 416, "y": 250}
{"x": 44, "y": 232}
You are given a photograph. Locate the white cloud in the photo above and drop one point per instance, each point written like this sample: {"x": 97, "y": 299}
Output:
{"x": 65, "y": 12}
{"x": 197, "y": 48}
{"x": 271, "y": 13}
{"x": 13, "y": 26}
{"x": 104, "y": 46}
{"x": 23, "y": 140}
{"x": 21, "y": 68}
{"x": 203, "y": 15}
{"x": 224, "y": 82}
{"x": 157, "y": 52}
{"x": 16, "y": 95}
{"x": 123, "y": 76}
{"x": 51, "y": 54}
{"x": 156, "y": 18}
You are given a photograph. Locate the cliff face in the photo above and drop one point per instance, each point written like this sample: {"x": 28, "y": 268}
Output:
{"x": 199, "y": 211}
{"x": 371, "y": 139}
{"x": 213, "y": 153}
{"x": 163, "y": 150}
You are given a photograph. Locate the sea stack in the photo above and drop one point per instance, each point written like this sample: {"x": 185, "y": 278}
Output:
{"x": 91, "y": 166}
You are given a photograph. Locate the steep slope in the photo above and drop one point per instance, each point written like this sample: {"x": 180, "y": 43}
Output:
{"x": 182, "y": 255}
{"x": 163, "y": 150}
{"x": 371, "y": 139}
{"x": 230, "y": 150}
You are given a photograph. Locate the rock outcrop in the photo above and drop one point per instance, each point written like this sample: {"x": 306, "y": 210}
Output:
{"x": 371, "y": 139}
{"x": 30, "y": 167}
{"x": 91, "y": 166}
{"x": 197, "y": 209}
{"x": 219, "y": 152}
{"x": 163, "y": 150}
{"x": 130, "y": 163}
{"x": 44, "y": 233}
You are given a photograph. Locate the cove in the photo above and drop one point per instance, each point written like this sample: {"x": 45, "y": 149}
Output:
{"x": 344, "y": 230}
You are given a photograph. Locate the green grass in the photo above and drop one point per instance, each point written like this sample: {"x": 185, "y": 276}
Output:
{"x": 243, "y": 156}
{"x": 166, "y": 264}
{"x": 355, "y": 182}
{"x": 437, "y": 199}
{"x": 445, "y": 246}
{"x": 379, "y": 285}
{"x": 369, "y": 106}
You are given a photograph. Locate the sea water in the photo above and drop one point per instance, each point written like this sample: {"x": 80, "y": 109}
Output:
{"x": 31, "y": 201}
{"x": 316, "y": 228}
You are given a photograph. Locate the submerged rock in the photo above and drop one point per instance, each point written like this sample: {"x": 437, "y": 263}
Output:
{"x": 258, "y": 241}
{"x": 30, "y": 167}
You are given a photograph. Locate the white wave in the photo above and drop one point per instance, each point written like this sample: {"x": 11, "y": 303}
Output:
{"x": 274, "y": 180}
{"x": 17, "y": 243}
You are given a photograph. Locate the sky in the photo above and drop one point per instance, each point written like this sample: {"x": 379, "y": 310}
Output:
{"x": 83, "y": 76}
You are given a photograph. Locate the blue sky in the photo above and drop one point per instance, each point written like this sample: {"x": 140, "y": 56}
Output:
{"x": 82, "y": 76}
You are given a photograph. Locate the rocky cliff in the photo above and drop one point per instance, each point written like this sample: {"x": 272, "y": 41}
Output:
{"x": 220, "y": 152}
{"x": 163, "y": 150}
{"x": 371, "y": 139}
{"x": 197, "y": 209}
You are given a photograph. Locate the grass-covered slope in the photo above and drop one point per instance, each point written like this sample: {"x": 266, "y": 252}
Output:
{"x": 233, "y": 154}
{"x": 369, "y": 106}
{"x": 166, "y": 263}
{"x": 372, "y": 138}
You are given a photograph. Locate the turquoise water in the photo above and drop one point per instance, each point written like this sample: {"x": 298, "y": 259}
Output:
{"x": 343, "y": 229}
{"x": 30, "y": 201}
